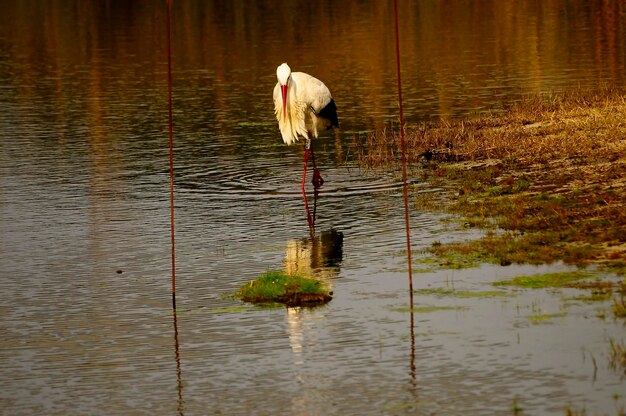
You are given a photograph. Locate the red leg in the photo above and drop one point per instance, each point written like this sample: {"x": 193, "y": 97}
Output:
{"x": 306, "y": 160}
{"x": 317, "y": 178}
{"x": 315, "y": 194}
{"x": 310, "y": 220}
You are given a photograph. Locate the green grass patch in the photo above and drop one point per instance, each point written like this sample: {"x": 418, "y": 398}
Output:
{"x": 539, "y": 318}
{"x": 280, "y": 287}
{"x": 545, "y": 280}
{"x": 459, "y": 255}
{"x": 593, "y": 297}
{"x": 428, "y": 309}
{"x": 460, "y": 294}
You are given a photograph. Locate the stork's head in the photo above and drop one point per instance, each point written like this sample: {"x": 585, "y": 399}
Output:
{"x": 283, "y": 73}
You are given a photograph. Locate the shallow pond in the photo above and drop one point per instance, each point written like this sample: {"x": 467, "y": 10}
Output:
{"x": 87, "y": 325}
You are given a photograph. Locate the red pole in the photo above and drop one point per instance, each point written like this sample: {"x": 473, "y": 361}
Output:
{"x": 406, "y": 201}
{"x": 169, "y": 101}
{"x": 403, "y": 144}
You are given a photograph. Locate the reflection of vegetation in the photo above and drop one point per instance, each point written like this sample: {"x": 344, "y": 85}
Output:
{"x": 617, "y": 360}
{"x": 575, "y": 412}
{"x": 544, "y": 280}
{"x": 619, "y": 304}
{"x": 276, "y": 286}
{"x": 619, "y": 307}
{"x": 516, "y": 406}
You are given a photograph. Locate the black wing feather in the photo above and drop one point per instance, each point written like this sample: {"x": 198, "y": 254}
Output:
{"x": 329, "y": 112}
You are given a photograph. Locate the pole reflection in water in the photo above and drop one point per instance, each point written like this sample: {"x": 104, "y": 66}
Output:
{"x": 179, "y": 372}
{"x": 316, "y": 257}
{"x": 413, "y": 370}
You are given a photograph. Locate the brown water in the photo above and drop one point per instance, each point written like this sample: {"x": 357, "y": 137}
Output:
{"x": 87, "y": 325}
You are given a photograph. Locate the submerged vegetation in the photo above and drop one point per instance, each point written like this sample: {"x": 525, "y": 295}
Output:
{"x": 460, "y": 294}
{"x": 428, "y": 309}
{"x": 617, "y": 360}
{"x": 280, "y": 287}
{"x": 545, "y": 280}
{"x": 546, "y": 178}
{"x": 619, "y": 306}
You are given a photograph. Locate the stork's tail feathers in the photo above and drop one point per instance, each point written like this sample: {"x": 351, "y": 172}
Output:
{"x": 329, "y": 112}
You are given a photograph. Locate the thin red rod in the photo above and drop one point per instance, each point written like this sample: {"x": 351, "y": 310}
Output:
{"x": 169, "y": 101}
{"x": 306, "y": 203}
{"x": 403, "y": 144}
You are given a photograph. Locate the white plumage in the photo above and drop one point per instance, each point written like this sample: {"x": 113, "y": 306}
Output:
{"x": 303, "y": 107}
{"x": 306, "y": 97}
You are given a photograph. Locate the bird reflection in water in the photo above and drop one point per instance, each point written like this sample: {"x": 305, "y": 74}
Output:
{"x": 318, "y": 257}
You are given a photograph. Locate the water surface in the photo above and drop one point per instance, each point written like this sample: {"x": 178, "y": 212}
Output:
{"x": 87, "y": 325}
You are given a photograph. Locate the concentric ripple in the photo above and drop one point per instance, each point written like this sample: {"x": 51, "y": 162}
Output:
{"x": 268, "y": 179}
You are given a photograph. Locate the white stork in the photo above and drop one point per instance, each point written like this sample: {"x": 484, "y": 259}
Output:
{"x": 303, "y": 106}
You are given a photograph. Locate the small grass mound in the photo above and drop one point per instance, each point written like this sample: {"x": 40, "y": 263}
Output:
{"x": 280, "y": 287}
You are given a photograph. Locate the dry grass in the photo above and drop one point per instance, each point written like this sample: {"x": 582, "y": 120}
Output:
{"x": 550, "y": 171}
{"x": 537, "y": 130}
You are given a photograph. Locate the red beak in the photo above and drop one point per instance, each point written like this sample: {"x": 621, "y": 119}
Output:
{"x": 283, "y": 89}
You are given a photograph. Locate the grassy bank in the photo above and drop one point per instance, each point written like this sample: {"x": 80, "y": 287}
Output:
{"x": 547, "y": 177}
